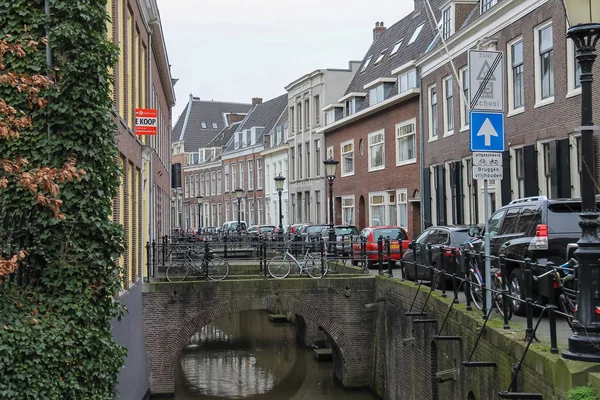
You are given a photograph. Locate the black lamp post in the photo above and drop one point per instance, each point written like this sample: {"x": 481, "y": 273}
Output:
{"x": 584, "y": 345}
{"x": 239, "y": 194}
{"x": 279, "y": 180}
{"x": 330, "y": 168}
{"x": 200, "y": 211}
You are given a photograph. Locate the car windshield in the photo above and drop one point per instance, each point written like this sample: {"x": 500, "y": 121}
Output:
{"x": 392, "y": 233}
{"x": 315, "y": 228}
{"x": 267, "y": 228}
{"x": 346, "y": 230}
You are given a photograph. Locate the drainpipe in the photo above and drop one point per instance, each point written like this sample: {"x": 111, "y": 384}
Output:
{"x": 421, "y": 154}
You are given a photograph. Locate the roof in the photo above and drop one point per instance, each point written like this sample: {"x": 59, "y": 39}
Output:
{"x": 264, "y": 115}
{"x": 222, "y": 137}
{"x": 202, "y": 120}
{"x": 401, "y": 31}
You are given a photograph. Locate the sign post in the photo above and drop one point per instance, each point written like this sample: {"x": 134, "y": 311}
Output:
{"x": 486, "y": 83}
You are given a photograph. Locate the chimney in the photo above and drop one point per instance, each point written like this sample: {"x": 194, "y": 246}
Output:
{"x": 256, "y": 100}
{"x": 232, "y": 118}
{"x": 378, "y": 30}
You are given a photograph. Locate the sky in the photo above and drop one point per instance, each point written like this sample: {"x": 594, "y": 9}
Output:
{"x": 234, "y": 50}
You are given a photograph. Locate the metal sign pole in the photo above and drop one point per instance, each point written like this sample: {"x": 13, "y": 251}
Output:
{"x": 486, "y": 238}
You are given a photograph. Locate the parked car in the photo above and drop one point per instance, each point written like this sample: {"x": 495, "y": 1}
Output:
{"x": 266, "y": 231}
{"x": 311, "y": 234}
{"x": 344, "y": 236}
{"x": 398, "y": 243}
{"x": 442, "y": 239}
{"x": 537, "y": 228}
{"x": 232, "y": 227}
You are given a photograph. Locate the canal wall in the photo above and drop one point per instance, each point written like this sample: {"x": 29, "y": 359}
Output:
{"x": 409, "y": 364}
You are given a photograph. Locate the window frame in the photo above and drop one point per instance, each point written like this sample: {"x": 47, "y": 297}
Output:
{"x": 250, "y": 174}
{"x": 448, "y": 106}
{"x": 487, "y": 5}
{"x": 465, "y": 107}
{"x": 433, "y": 115}
{"x": 399, "y": 136}
{"x": 409, "y": 85}
{"x": 378, "y": 90}
{"x": 259, "y": 176}
{"x": 343, "y": 171}
{"x": 447, "y": 28}
{"x": 372, "y": 168}
{"x": 572, "y": 68}
{"x": 345, "y": 209}
{"x": 539, "y": 101}
{"x": 510, "y": 66}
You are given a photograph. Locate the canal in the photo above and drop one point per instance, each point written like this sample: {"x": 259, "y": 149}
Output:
{"x": 246, "y": 356}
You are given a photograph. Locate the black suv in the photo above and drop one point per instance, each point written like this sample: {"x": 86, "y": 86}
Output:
{"x": 535, "y": 228}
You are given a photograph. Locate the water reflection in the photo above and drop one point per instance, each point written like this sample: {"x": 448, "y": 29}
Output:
{"x": 246, "y": 356}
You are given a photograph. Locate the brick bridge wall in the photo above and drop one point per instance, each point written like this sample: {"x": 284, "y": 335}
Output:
{"x": 173, "y": 312}
{"x": 406, "y": 358}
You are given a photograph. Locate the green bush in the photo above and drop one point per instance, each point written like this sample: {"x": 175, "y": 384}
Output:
{"x": 583, "y": 393}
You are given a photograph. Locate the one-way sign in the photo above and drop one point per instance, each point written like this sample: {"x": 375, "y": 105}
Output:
{"x": 486, "y": 80}
{"x": 487, "y": 131}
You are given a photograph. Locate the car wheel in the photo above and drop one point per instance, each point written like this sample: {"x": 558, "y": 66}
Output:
{"x": 517, "y": 290}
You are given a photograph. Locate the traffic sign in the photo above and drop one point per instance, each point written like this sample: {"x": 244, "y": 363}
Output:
{"x": 486, "y": 80}
{"x": 487, "y": 159}
{"x": 145, "y": 121}
{"x": 487, "y": 131}
{"x": 487, "y": 172}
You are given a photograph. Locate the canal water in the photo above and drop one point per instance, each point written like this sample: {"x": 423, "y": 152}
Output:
{"x": 246, "y": 356}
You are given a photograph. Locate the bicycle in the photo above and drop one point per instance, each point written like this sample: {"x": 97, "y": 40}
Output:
{"x": 211, "y": 267}
{"x": 567, "y": 296}
{"x": 280, "y": 266}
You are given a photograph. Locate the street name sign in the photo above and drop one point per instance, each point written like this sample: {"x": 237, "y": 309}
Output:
{"x": 486, "y": 80}
{"x": 145, "y": 121}
{"x": 487, "y": 131}
{"x": 487, "y": 159}
{"x": 493, "y": 173}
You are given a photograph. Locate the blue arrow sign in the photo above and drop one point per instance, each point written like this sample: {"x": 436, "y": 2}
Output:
{"x": 487, "y": 131}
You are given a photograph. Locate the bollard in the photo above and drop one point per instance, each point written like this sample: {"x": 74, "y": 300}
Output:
{"x": 442, "y": 274}
{"x": 552, "y": 309}
{"x": 527, "y": 282}
{"x": 504, "y": 288}
{"x": 380, "y": 254}
{"x": 389, "y": 256}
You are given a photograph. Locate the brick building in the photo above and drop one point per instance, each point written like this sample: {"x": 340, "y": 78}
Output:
{"x": 373, "y": 130}
{"x": 542, "y": 107}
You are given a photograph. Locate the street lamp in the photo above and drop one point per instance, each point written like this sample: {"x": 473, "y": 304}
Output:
{"x": 584, "y": 345}
{"x": 330, "y": 168}
{"x": 199, "y": 198}
{"x": 279, "y": 186}
{"x": 239, "y": 194}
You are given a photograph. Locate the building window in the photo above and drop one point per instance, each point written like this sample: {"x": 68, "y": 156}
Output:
{"x": 516, "y": 78}
{"x": 448, "y": 106}
{"x": 259, "y": 173}
{"x": 573, "y": 70}
{"x": 330, "y": 153}
{"x": 214, "y": 125}
{"x": 347, "y": 210}
{"x": 307, "y": 113}
{"x": 415, "y": 34}
{"x": 380, "y": 57}
{"x": 233, "y": 177}
{"x": 197, "y": 184}
{"x": 317, "y": 103}
{"x": 406, "y": 142}
{"x": 201, "y": 192}
{"x": 226, "y": 177}
{"x": 366, "y": 64}
{"x": 487, "y": 4}
{"x": 347, "y": 152}
{"x": 464, "y": 99}
{"x": 519, "y": 173}
{"x": 396, "y": 47}
{"x": 299, "y": 118}
{"x": 300, "y": 165}
{"x": 192, "y": 186}
{"x": 251, "y": 212}
{"x": 187, "y": 186}
{"x": 545, "y": 64}
{"x": 307, "y": 147}
{"x": 447, "y": 22}
{"x": 377, "y": 205}
{"x": 227, "y": 212}
{"x": 547, "y": 168}
{"x": 376, "y": 150}
{"x": 203, "y": 124}
{"x": 330, "y": 116}
{"x": 402, "y": 196}
{"x": 219, "y": 214}
{"x": 207, "y": 184}
{"x": 292, "y": 163}
{"x": 407, "y": 81}
{"x": 250, "y": 175}
{"x": 213, "y": 183}
{"x": 241, "y": 171}
{"x": 433, "y": 113}
{"x": 351, "y": 106}
{"x": 291, "y": 117}
{"x": 260, "y": 212}
{"x": 218, "y": 182}
{"x": 376, "y": 95}
{"x": 318, "y": 160}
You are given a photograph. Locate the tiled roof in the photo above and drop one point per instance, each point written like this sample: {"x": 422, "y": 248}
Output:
{"x": 264, "y": 115}
{"x": 403, "y": 31}
{"x": 222, "y": 137}
{"x": 202, "y": 120}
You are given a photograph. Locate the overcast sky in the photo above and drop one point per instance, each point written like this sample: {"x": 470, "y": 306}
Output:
{"x": 233, "y": 50}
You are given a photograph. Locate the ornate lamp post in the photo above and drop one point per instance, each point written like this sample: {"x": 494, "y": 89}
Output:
{"x": 330, "y": 168}
{"x": 199, "y": 198}
{"x": 239, "y": 194}
{"x": 584, "y": 345}
{"x": 279, "y": 180}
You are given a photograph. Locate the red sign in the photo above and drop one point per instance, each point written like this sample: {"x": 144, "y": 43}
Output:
{"x": 145, "y": 121}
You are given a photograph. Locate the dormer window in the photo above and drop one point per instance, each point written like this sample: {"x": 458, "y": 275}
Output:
{"x": 447, "y": 22}
{"x": 415, "y": 34}
{"x": 333, "y": 112}
{"x": 203, "y": 125}
{"x": 367, "y": 62}
{"x": 352, "y": 102}
{"x": 379, "y": 89}
{"x": 487, "y": 4}
{"x": 380, "y": 57}
{"x": 396, "y": 47}
{"x": 407, "y": 81}
{"x": 248, "y": 137}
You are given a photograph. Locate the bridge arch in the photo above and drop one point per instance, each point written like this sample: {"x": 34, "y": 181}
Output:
{"x": 180, "y": 338}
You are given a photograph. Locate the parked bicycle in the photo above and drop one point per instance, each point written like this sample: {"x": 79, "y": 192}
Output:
{"x": 280, "y": 266}
{"x": 565, "y": 285}
{"x": 190, "y": 261}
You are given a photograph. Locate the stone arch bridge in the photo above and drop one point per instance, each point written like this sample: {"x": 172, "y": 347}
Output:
{"x": 173, "y": 312}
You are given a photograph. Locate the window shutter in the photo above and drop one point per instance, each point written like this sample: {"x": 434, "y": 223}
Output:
{"x": 563, "y": 180}
{"x": 505, "y": 183}
{"x": 531, "y": 171}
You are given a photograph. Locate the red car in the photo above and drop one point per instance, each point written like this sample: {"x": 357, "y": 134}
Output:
{"x": 398, "y": 237}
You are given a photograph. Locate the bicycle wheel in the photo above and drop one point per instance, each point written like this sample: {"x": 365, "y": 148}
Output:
{"x": 475, "y": 290}
{"x": 315, "y": 268}
{"x": 568, "y": 307}
{"x": 218, "y": 269}
{"x": 279, "y": 267}
{"x": 177, "y": 271}
{"x": 498, "y": 301}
